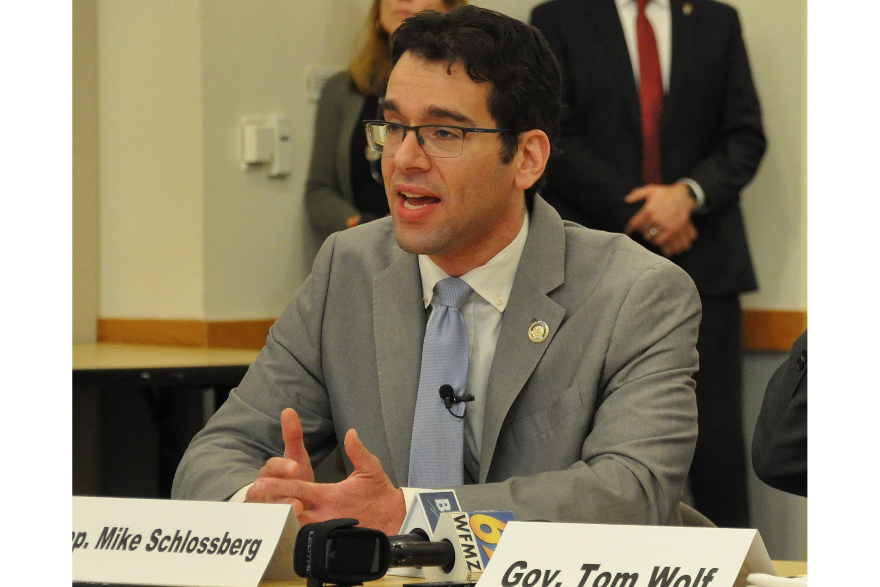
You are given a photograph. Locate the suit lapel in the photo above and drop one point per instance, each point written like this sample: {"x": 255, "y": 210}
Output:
{"x": 682, "y": 40}
{"x": 541, "y": 270}
{"x": 606, "y": 26}
{"x": 399, "y": 329}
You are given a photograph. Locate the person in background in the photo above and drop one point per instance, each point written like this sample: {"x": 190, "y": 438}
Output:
{"x": 661, "y": 131}
{"x": 344, "y": 187}
{"x": 779, "y": 447}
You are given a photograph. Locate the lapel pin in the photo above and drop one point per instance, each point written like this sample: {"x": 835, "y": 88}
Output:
{"x": 538, "y": 331}
{"x": 687, "y": 8}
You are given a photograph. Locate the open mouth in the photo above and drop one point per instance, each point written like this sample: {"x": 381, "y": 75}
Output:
{"x": 417, "y": 201}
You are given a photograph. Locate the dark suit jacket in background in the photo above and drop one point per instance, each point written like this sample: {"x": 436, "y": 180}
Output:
{"x": 595, "y": 424}
{"x": 711, "y": 130}
{"x": 779, "y": 447}
{"x": 329, "y": 195}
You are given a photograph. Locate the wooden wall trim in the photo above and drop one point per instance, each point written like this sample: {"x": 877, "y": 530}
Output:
{"x": 167, "y": 332}
{"x": 772, "y": 330}
{"x": 763, "y": 330}
{"x": 238, "y": 334}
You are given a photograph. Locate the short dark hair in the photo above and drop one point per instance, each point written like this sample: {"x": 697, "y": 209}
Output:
{"x": 511, "y": 55}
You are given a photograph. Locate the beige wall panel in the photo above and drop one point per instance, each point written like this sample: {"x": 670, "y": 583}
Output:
{"x": 775, "y": 204}
{"x": 85, "y": 171}
{"x": 255, "y": 56}
{"x": 150, "y": 105}
{"x": 185, "y": 233}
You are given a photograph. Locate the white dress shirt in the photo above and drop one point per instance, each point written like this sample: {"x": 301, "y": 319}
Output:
{"x": 660, "y": 16}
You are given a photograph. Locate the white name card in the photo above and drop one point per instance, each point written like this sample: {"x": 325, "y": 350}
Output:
{"x": 539, "y": 554}
{"x": 189, "y": 543}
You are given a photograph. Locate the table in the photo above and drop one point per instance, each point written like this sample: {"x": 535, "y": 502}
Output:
{"x": 103, "y": 363}
{"x": 790, "y": 568}
{"x": 159, "y": 375}
{"x": 783, "y": 569}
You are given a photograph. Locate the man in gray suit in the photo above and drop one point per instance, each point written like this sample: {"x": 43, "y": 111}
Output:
{"x": 582, "y": 343}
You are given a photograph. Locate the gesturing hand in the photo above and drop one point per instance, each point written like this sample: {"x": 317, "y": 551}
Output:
{"x": 367, "y": 494}
{"x": 273, "y": 480}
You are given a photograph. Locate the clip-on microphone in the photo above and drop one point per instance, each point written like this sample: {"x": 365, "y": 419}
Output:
{"x": 448, "y": 396}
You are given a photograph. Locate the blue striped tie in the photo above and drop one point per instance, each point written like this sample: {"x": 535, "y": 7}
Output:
{"x": 436, "y": 457}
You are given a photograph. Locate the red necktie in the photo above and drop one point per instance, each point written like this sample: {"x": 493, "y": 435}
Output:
{"x": 652, "y": 96}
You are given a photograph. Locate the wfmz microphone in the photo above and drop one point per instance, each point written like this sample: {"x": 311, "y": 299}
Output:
{"x": 454, "y": 528}
{"x": 337, "y": 552}
{"x": 447, "y": 394}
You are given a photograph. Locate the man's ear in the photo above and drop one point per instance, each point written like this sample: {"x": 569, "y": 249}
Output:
{"x": 531, "y": 158}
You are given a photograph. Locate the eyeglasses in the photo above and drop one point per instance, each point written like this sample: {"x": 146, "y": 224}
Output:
{"x": 437, "y": 140}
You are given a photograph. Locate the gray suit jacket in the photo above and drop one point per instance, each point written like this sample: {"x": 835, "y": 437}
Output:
{"x": 595, "y": 424}
{"x": 329, "y": 196}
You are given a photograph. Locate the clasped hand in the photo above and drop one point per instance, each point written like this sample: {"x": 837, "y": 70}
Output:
{"x": 367, "y": 494}
{"x": 665, "y": 217}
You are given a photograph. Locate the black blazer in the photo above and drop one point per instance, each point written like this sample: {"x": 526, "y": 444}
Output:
{"x": 712, "y": 129}
{"x": 779, "y": 446}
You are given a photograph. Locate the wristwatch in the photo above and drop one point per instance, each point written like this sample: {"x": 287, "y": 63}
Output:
{"x": 693, "y": 194}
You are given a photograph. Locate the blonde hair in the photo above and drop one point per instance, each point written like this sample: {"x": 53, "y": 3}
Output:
{"x": 369, "y": 71}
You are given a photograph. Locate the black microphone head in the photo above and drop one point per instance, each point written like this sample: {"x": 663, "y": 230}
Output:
{"x": 446, "y": 392}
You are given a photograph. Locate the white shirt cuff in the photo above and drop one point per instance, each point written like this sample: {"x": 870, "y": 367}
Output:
{"x": 240, "y": 495}
{"x": 698, "y": 192}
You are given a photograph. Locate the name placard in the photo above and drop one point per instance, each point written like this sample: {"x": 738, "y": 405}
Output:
{"x": 164, "y": 542}
{"x": 537, "y": 554}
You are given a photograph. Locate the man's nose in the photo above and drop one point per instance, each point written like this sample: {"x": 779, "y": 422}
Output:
{"x": 410, "y": 153}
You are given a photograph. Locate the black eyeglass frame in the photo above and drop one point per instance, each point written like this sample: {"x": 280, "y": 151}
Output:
{"x": 464, "y": 130}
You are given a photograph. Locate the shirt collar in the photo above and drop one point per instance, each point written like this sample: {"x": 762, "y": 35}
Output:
{"x": 660, "y": 3}
{"x": 492, "y": 281}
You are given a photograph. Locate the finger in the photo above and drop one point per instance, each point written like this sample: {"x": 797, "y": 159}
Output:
{"x": 261, "y": 493}
{"x": 638, "y": 222}
{"x": 281, "y": 468}
{"x": 361, "y": 458}
{"x": 312, "y": 516}
{"x": 291, "y": 431}
{"x": 670, "y": 250}
{"x": 274, "y": 490}
{"x": 681, "y": 243}
{"x": 638, "y": 194}
{"x": 298, "y": 507}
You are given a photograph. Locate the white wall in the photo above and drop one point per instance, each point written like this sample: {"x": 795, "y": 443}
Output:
{"x": 150, "y": 128}
{"x": 185, "y": 233}
{"x": 258, "y": 246}
{"x": 775, "y": 203}
{"x": 85, "y": 171}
